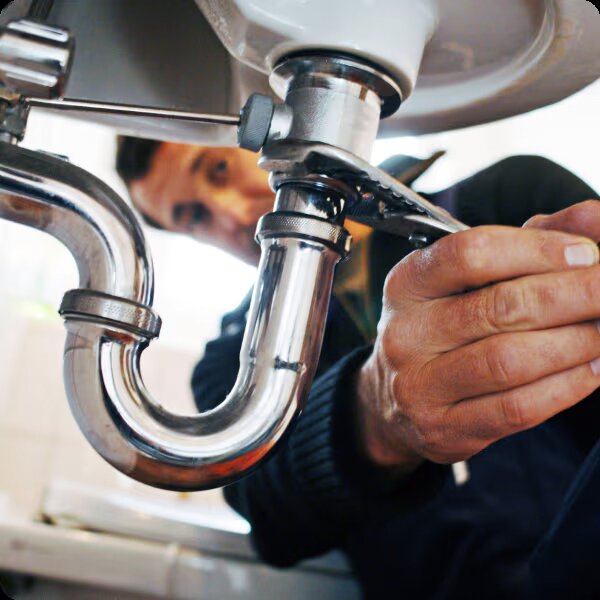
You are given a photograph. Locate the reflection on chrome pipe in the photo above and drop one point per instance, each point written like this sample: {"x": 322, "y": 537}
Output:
{"x": 102, "y": 355}
{"x": 279, "y": 352}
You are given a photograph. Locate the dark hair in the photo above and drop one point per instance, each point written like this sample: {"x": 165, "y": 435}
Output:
{"x": 134, "y": 156}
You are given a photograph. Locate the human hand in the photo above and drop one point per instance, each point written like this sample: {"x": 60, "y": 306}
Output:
{"x": 487, "y": 332}
{"x": 579, "y": 219}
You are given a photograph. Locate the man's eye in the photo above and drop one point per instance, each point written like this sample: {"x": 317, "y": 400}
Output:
{"x": 197, "y": 163}
{"x": 218, "y": 173}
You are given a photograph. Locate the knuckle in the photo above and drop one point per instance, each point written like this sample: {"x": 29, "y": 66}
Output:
{"x": 514, "y": 416}
{"x": 473, "y": 311}
{"x": 586, "y": 209}
{"x": 550, "y": 245}
{"x": 499, "y": 363}
{"x": 572, "y": 218}
{"x": 430, "y": 432}
{"x": 390, "y": 284}
{"x": 536, "y": 221}
{"x": 430, "y": 441}
{"x": 470, "y": 251}
{"x": 417, "y": 422}
{"x": 399, "y": 279}
{"x": 591, "y": 289}
{"x": 388, "y": 337}
{"x": 576, "y": 216}
{"x": 508, "y": 306}
{"x": 387, "y": 343}
{"x": 409, "y": 396}
{"x": 443, "y": 439}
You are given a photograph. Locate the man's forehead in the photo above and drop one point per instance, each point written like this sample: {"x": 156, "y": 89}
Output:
{"x": 166, "y": 168}
{"x": 170, "y": 154}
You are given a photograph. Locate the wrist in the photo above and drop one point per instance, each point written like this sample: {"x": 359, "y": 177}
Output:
{"x": 379, "y": 440}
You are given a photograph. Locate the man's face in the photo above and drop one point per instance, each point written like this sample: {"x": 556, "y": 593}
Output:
{"x": 216, "y": 195}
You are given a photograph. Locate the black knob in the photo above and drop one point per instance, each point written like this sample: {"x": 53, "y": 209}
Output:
{"x": 255, "y": 122}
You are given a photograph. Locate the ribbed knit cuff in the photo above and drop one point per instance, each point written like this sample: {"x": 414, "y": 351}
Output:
{"x": 330, "y": 468}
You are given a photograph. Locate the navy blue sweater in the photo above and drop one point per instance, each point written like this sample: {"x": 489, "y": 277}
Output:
{"x": 527, "y": 522}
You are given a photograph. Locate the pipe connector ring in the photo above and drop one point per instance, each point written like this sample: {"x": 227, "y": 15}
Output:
{"x": 113, "y": 311}
{"x": 287, "y": 224}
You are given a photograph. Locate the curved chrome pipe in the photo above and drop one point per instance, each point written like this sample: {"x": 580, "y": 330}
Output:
{"x": 280, "y": 347}
{"x": 96, "y": 226}
{"x": 102, "y": 359}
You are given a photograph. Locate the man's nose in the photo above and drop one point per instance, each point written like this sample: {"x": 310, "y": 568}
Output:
{"x": 230, "y": 212}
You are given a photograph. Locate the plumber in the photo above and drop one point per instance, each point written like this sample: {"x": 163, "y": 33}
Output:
{"x": 483, "y": 347}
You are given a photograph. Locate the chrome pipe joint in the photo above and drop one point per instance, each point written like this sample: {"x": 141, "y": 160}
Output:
{"x": 335, "y": 99}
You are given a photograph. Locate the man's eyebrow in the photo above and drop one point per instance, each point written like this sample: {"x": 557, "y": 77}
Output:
{"x": 197, "y": 162}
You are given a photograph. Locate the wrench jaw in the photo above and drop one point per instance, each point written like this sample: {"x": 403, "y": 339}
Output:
{"x": 372, "y": 196}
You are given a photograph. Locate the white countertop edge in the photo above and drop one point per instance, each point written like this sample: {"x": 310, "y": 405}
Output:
{"x": 141, "y": 566}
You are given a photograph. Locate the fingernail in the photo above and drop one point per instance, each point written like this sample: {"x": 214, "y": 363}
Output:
{"x": 595, "y": 364}
{"x": 581, "y": 255}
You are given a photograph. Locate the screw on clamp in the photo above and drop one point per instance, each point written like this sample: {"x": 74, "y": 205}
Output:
{"x": 261, "y": 121}
{"x": 255, "y": 122}
{"x": 419, "y": 240}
